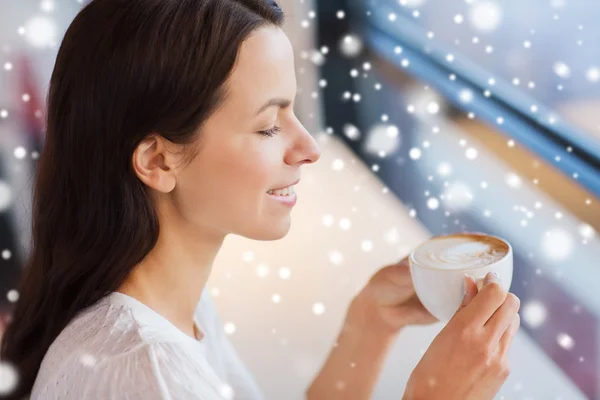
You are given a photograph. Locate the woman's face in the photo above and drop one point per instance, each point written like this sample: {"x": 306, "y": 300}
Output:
{"x": 225, "y": 187}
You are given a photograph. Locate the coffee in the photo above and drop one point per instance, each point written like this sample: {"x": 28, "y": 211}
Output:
{"x": 438, "y": 267}
{"x": 458, "y": 251}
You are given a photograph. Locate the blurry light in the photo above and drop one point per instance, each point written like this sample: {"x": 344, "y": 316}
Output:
{"x": 317, "y": 58}
{"x": 534, "y": 314}
{"x": 383, "y": 137}
{"x": 593, "y": 74}
{"x": 262, "y": 270}
{"x": 351, "y": 132}
{"x": 9, "y": 378}
{"x": 561, "y": 69}
{"x": 415, "y": 153}
{"x": 485, "y": 15}
{"x": 229, "y": 328}
{"x": 412, "y": 3}
{"x": 318, "y": 308}
{"x": 466, "y": 96}
{"x": 40, "y": 31}
{"x": 471, "y": 153}
{"x": 20, "y": 152}
{"x": 444, "y": 169}
{"x": 513, "y": 180}
{"x": 285, "y": 273}
{"x": 336, "y": 257}
{"x": 47, "y": 5}
{"x": 345, "y": 224}
{"x": 565, "y": 341}
{"x": 337, "y": 164}
{"x": 433, "y": 203}
{"x": 351, "y": 45}
{"x": 366, "y": 245}
{"x": 587, "y": 231}
{"x": 557, "y": 244}
{"x": 226, "y": 391}
{"x": 12, "y": 296}
{"x": 433, "y": 107}
{"x": 248, "y": 256}
{"x": 5, "y": 200}
{"x": 458, "y": 196}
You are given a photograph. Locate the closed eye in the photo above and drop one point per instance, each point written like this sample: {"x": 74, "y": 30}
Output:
{"x": 270, "y": 132}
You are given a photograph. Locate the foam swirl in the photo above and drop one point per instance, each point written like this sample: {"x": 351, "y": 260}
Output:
{"x": 460, "y": 252}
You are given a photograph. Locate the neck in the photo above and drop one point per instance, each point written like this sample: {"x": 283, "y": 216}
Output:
{"x": 171, "y": 278}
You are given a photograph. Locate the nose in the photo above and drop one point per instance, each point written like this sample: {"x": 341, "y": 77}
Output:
{"x": 312, "y": 152}
{"x": 307, "y": 149}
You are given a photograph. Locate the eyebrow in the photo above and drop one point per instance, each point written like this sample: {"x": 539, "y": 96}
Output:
{"x": 281, "y": 103}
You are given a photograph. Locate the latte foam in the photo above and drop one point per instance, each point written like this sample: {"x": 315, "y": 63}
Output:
{"x": 460, "y": 252}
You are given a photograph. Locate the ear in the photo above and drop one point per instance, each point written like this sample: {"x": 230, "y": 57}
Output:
{"x": 155, "y": 163}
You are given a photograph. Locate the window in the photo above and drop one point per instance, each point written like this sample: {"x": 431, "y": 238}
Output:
{"x": 481, "y": 135}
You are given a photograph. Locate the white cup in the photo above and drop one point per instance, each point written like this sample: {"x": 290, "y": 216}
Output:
{"x": 442, "y": 290}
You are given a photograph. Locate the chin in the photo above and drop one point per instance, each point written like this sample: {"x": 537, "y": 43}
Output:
{"x": 269, "y": 232}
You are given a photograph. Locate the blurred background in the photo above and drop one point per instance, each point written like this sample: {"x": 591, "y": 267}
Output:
{"x": 434, "y": 116}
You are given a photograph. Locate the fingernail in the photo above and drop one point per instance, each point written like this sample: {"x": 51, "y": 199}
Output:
{"x": 465, "y": 284}
{"x": 491, "y": 277}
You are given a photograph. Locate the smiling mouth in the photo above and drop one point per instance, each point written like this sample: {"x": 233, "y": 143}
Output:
{"x": 287, "y": 191}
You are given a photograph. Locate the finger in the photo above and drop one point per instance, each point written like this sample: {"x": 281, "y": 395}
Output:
{"x": 469, "y": 291}
{"x": 403, "y": 262}
{"x": 509, "y": 334}
{"x": 400, "y": 275}
{"x": 416, "y": 312}
{"x": 503, "y": 317}
{"x": 488, "y": 300}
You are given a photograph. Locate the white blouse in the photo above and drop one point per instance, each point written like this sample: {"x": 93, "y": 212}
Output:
{"x": 119, "y": 348}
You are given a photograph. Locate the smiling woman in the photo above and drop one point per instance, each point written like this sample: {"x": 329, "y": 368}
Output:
{"x": 162, "y": 139}
{"x": 155, "y": 102}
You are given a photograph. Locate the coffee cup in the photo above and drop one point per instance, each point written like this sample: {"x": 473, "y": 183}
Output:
{"x": 438, "y": 267}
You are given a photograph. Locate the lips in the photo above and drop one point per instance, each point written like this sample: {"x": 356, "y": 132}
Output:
{"x": 283, "y": 187}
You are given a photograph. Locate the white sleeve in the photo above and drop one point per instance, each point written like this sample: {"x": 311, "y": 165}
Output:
{"x": 161, "y": 371}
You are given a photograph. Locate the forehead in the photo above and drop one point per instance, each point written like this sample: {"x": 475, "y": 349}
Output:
{"x": 264, "y": 69}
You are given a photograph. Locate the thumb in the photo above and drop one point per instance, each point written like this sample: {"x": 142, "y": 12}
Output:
{"x": 470, "y": 291}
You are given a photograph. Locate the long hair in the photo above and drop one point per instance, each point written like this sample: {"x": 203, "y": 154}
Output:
{"x": 125, "y": 69}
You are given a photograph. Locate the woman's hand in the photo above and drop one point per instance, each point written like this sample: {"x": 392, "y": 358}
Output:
{"x": 389, "y": 302}
{"x": 468, "y": 359}
{"x": 386, "y": 304}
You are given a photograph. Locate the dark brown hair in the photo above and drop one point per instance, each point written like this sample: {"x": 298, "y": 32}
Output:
{"x": 125, "y": 69}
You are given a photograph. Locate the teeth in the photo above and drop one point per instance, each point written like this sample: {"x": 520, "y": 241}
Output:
{"x": 283, "y": 192}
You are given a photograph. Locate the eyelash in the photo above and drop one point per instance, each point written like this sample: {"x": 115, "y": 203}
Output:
{"x": 270, "y": 132}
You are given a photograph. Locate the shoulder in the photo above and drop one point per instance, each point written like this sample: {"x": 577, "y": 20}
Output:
{"x": 106, "y": 352}
{"x": 162, "y": 370}
{"x": 158, "y": 370}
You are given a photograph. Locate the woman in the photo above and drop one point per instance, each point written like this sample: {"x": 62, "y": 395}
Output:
{"x": 169, "y": 123}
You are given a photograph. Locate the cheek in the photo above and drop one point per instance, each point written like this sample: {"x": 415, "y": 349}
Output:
{"x": 255, "y": 170}
{"x": 231, "y": 180}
